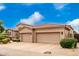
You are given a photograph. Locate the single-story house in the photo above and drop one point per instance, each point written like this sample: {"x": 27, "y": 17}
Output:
{"x": 46, "y": 33}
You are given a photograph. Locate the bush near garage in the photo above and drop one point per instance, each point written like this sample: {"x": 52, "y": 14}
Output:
{"x": 3, "y": 38}
{"x": 68, "y": 43}
{"x": 5, "y": 41}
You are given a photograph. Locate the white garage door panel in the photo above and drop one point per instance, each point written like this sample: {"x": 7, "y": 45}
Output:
{"x": 27, "y": 37}
{"x": 48, "y": 37}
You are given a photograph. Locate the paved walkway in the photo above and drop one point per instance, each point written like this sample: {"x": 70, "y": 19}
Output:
{"x": 35, "y": 49}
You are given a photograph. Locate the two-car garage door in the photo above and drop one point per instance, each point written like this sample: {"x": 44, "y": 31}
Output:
{"x": 52, "y": 38}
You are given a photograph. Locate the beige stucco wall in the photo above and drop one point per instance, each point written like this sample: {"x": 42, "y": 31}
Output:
{"x": 60, "y": 29}
{"x": 25, "y": 30}
{"x": 67, "y": 33}
{"x": 50, "y": 30}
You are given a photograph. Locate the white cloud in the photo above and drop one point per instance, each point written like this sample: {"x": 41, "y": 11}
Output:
{"x": 60, "y": 6}
{"x": 2, "y": 7}
{"x": 75, "y": 24}
{"x": 36, "y": 17}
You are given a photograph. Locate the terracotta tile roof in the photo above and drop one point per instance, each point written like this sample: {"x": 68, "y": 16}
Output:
{"x": 46, "y": 26}
{"x": 52, "y": 25}
{"x": 22, "y": 24}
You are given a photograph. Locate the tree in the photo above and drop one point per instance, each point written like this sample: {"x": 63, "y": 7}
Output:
{"x": 1, "y": 27}
{"x": 1, "y": 22}
{"x": 3, "y": 34}
{"x": 74, "y": 32}
{"x": 76, "y": 36}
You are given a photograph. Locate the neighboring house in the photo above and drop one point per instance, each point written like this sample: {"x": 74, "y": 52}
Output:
{"x": 47, "y": 33}
{"x": 12, "y": 33}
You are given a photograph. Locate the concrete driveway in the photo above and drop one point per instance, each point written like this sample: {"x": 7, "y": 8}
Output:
{"x": 35, "y": 49}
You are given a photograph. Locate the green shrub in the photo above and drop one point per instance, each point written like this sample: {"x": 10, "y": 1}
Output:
{"x": 68, "y": 43}
{"x": 5, "y": 41}
{"x": 2, "y": 36}
{"x": 16, "y": 40}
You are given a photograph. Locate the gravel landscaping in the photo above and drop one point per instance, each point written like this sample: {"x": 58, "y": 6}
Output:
{"x": 36, "y": 49}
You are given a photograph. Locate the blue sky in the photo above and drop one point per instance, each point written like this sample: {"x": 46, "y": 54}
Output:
{"x": 42, "y": 13}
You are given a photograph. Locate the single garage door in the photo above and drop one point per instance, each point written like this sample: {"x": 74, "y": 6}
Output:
{"x": 52, "y": 38}
{"x": 27, "y": 37}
